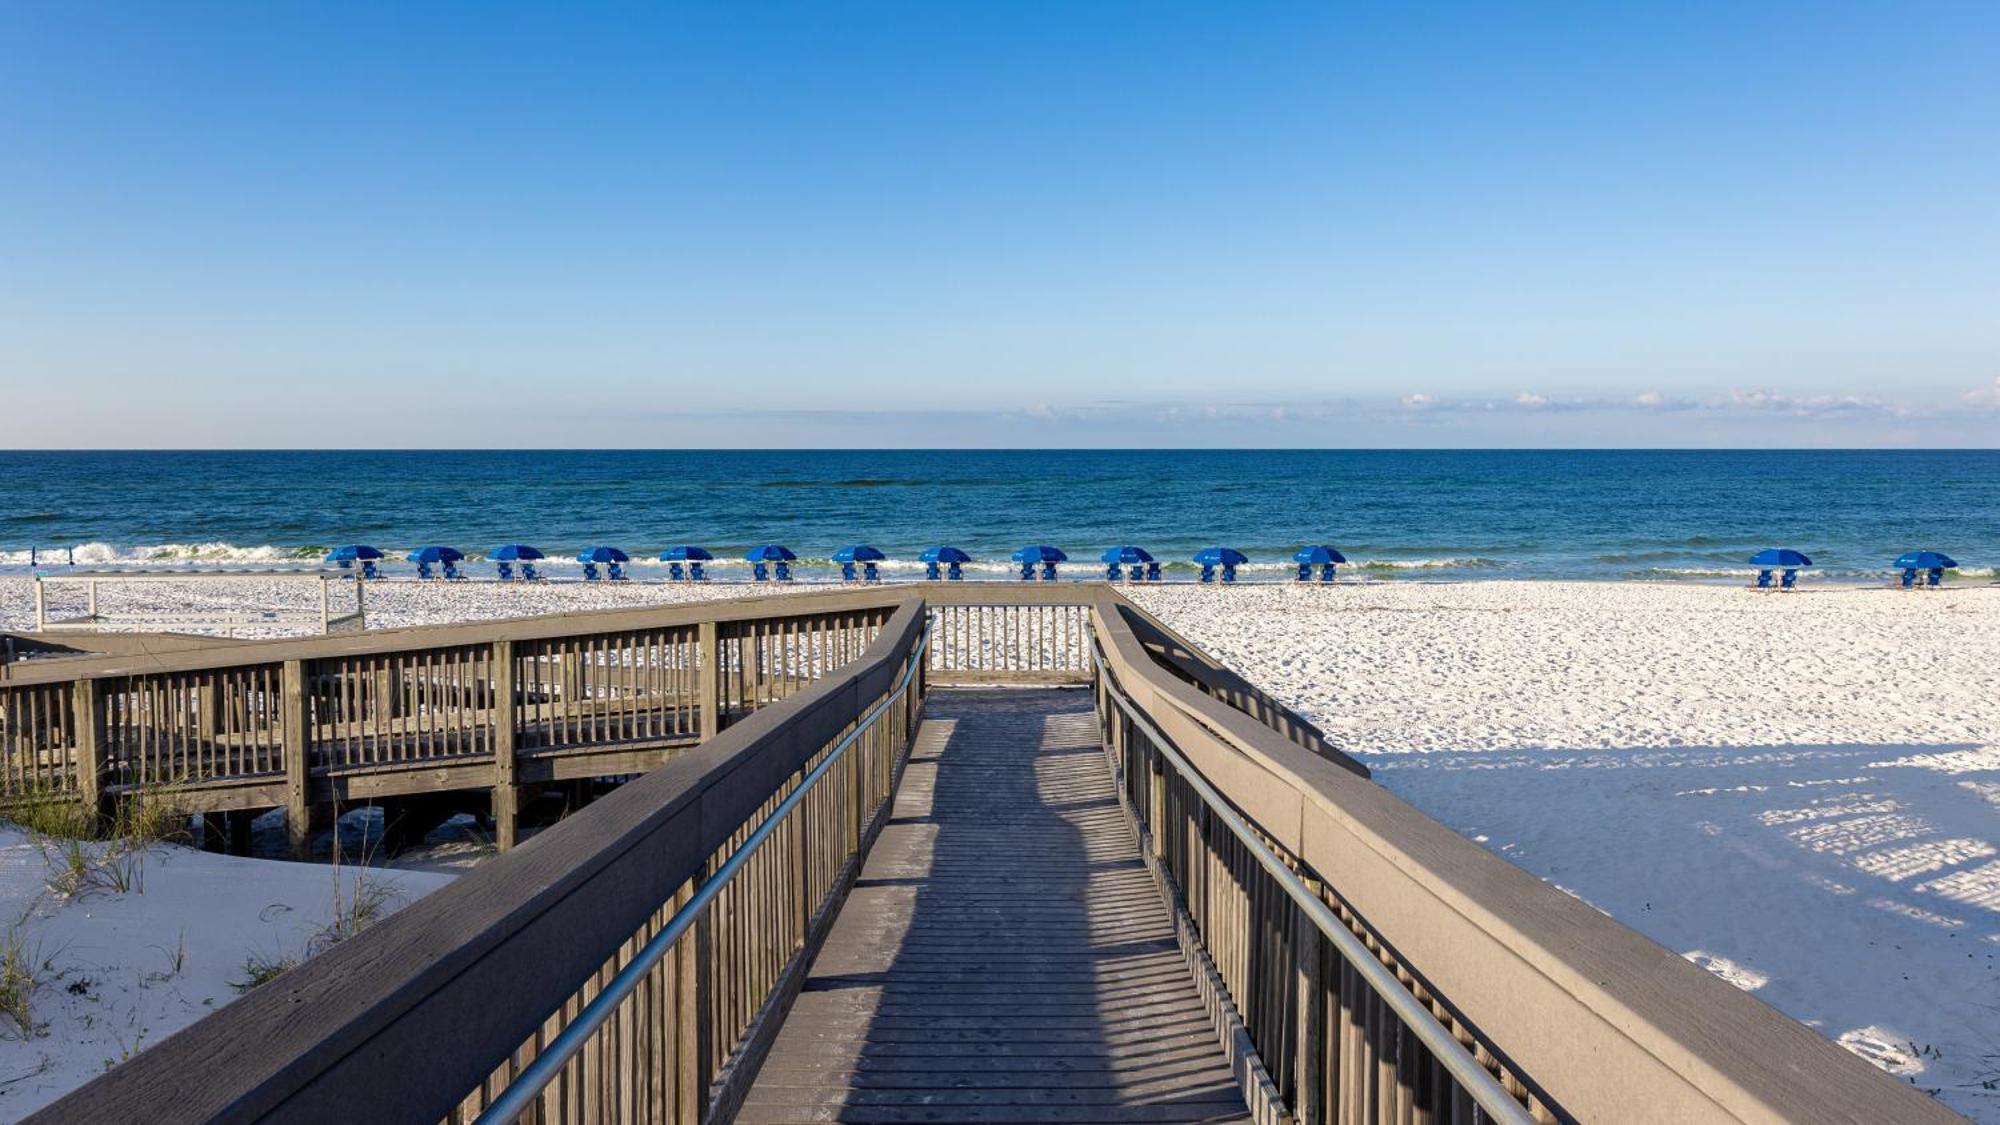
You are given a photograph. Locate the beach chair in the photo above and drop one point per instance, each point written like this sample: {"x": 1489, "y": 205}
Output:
{"x": 1326, "y": 572}
{"x": 1305, "y": 572}
{"x": 1790, "y": 580}
{"x": 784, "y": 570}
{"x": 954, "y": 574}
{"x": 590, "y": 572}
{"x": 847, "y": 572}
{"x": 1115, "y": 573}
{"x": 1027, "y": 572}
{"x": 1935, "y": 579}
{"x": 675, "y": 573}
{"x": 1228, "y": 573}
{"x": 759, "y": 572}
{"x": 1909, "y": 579}
{"x": 528, "y": 573}
{"x": 424, "y": 571}
{"x": 615, "y": 571}
{"x": 1152, "y": 572}
{"x": 1048, "y": 572}
{"x": 1763, "y": 580}
{"x": 506, "y": 571}
{"x": 1207, "y": 573}
{"x": 696, "y": 573}
{"x": 869, "y": 573}
{"x": 931, "y": 571}
{"x": 368, "y": 570}
{"x": 451, "y": 573}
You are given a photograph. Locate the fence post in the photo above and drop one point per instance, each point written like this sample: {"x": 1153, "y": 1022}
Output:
{"x": 298, "y": 770}
{"x": 709, "y": 687}
{"x": 1156, "y": 787}
{"x": 751, "y": 644}
{"x": 1308, "y": 1104}
{"x": 88, "y": 719}
{"x": 695, "y": 966}
{"x": 506, "y": 795}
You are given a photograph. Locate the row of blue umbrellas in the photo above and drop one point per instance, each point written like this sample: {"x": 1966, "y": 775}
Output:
{"x": 1210, "y": 559}
{"x": 1933, "y": 563}
{"x": 1909, "y": 560}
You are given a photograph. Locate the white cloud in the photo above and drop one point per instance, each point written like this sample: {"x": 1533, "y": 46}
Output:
{"x": 1984, "y": 398}
{"x": 1419, "y": 401}
{"x": 1808, "y": 406}
{"x": 1531, "y": 401}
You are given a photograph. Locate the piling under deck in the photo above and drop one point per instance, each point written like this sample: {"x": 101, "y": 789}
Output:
{"x": 1004, "y": 955}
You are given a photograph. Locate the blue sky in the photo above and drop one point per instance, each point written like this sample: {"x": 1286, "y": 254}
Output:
{"x": 1017, "y": 224}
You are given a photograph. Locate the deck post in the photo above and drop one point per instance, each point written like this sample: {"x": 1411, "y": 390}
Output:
{"x": 694, "y": 957}
{"x": 506, "y": 794}
{"x": 41, "y": 606}
{"x": 1156, "y": 790}
{"x": 709, "y": 686}
{"x": 298, "y": 770}
{"x": 88, "y": 717}
{"x": 208, "y": 707}
{"x": 325, "y": 608}
{"x": 388, "y": 683}
{"x": 1310, "y": 1072}
{"x": 751, "y": 645}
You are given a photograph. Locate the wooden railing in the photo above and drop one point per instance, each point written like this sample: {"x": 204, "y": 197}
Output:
{"x": 655, "y": 928}
{"x": 1028, "y": 632}
{"x": 1363, "y": 962}
{"x": 1383, "y": 968}
{"x": 304, "y": 724}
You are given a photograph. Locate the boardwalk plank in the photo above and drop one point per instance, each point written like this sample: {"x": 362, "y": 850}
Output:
{"x": 1004, "y": 955}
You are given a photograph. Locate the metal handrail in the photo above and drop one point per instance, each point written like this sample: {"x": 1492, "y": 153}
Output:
{"x": 1479, "y": 1082}
{"x": 513, "y": 1101}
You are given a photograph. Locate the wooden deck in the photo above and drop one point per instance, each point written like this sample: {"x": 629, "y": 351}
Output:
{"x": 1004, "y": 955}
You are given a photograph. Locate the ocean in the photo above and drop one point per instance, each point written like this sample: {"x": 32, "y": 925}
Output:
{"x": 1406, "y": 515}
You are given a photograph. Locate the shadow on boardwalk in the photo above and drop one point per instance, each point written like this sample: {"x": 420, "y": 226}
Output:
{"x": 1004, "y": 955}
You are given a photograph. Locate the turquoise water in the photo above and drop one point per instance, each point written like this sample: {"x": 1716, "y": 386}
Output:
{"x": 1397, "y": 514}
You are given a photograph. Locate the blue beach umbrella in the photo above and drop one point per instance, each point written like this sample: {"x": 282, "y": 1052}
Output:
{"x": 435, "y": 554}
{"x": 1126, "y": 555}
{"x": 1926, "y": 560}
{"x": 770, "y": 552}
{"x": 1779, "y": 556}
{"x": 858, "y": 552}
{"x": 354, "y": 552}
{"x": 1039, "y": 553}
{"x": 514, "y": 552}
{"x": 602, "y": 554}
{"x": 686, "y": 554}
{"x": 1220, "y": 556}
{"x": 1320, "y": 555}
{"x": 935, "y": 557}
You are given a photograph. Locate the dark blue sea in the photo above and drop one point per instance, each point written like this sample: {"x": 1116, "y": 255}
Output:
{"x": 1403, "y": 515}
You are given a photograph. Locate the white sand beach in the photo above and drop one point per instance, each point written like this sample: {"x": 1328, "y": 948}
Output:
{"x": 121, "y": 969}
{"x": 1800, "y": 792}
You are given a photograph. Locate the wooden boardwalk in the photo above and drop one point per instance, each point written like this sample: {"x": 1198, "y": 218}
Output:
{"x": 1004, "y": 955}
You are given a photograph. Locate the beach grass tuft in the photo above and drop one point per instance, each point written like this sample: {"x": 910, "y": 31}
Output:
{"x": 260, "y": 969}
{"x": 19, "y": 981}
